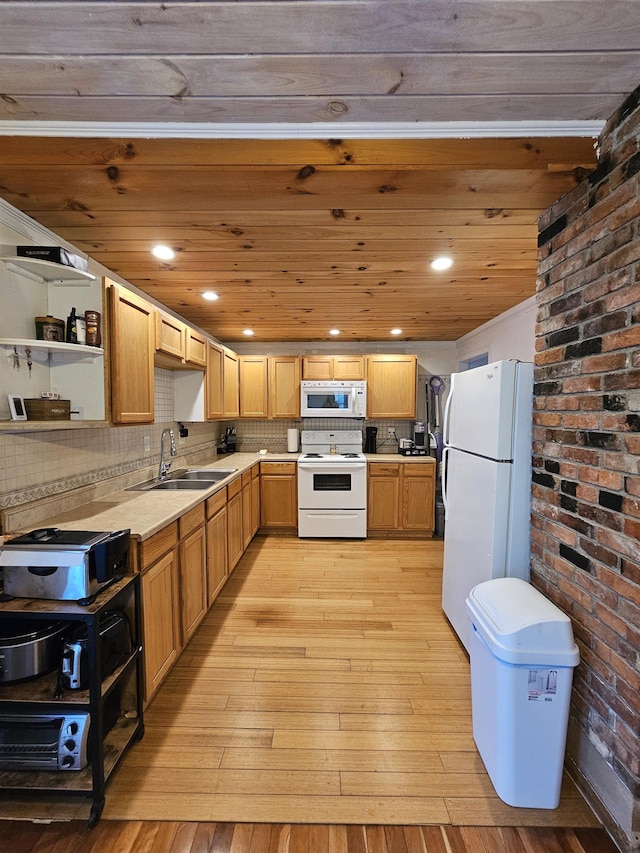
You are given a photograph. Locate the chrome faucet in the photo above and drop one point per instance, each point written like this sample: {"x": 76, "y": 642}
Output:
{"x": 164, "y": 466}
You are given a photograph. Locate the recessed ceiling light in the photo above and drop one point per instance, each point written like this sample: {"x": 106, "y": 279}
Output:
{"x": 247, "y": 332}
{"x": 210, "y": 296}
{"x": 334, "y": 331}
{"x": 164, "y": 253}
{"x": 442, "y": 263}
{"x": 396, "y": 331}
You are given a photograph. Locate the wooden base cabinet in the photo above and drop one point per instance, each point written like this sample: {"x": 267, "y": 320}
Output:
{"x": 217, "y": 559}
{"x": 161, "y": 634}
{"x": 159, "y": 561}
{"x": 278, "y": 495}
{"x": 401, "y": 497}
{"x": 193, "y": 571}
{"x": 235, "y": 534}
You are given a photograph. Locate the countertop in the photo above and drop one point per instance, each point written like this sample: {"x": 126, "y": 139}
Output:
{"x": 145, "y": 513}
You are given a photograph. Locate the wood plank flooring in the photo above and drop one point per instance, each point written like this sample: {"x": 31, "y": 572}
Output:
{"x": 323, "y": 704}
{"x": 181, "y": 837}
{"x": 324, "y": 686}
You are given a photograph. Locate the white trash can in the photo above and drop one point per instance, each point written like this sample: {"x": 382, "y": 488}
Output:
{"x": 522, "y": 659}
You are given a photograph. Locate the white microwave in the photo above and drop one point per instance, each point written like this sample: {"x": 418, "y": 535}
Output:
{"x": 333, "y": 399}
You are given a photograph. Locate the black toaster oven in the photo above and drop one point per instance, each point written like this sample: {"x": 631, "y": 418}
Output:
{"x": 115, "y": 646}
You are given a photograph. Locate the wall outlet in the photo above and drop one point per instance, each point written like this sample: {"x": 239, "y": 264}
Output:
{"x": 147, "y": 444}
{"x": 181, "y": 439}
{"x": 391, "y": 432}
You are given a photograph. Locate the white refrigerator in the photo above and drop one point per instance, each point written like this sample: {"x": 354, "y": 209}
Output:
{"x": 487, "y": 482}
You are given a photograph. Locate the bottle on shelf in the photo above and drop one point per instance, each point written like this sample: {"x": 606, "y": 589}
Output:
{"x": 72, "y": 329}
{"x": 94, "y": 338}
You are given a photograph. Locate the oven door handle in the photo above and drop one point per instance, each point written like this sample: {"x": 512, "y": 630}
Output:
{"x": 331, "y": 467}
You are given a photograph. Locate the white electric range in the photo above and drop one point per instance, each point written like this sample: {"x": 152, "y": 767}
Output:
{"x": 332, "y": 485}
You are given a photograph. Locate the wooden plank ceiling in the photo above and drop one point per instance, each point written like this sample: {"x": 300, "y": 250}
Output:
{"x": 300, "y": 236}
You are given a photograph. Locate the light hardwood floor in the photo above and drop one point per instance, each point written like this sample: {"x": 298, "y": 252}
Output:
{"x": 323, "y": 705}
{"x": 325, "y": 686}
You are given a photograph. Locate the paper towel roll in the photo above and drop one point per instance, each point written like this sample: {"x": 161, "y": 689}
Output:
{"x": 292, "y": 440}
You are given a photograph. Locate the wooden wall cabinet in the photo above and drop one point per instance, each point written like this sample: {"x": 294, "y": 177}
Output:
{"x": 195, "y": 348}
{"x": 217, "y": 559}
{"x": 401, "y": 497}
{"x": 333, "y": 367}
{"x": 169, "y": 340}
{"x": 253, "y": 386}
{"x": 270, "y": 386}
{"x": 278, "y": 495}
{"x": 214, "y": 379}
{"x": 131, "y": 350}
{"x": 230, "y": 385}
{"x": 284, "y": 386}
{"x": 391, "y": 386}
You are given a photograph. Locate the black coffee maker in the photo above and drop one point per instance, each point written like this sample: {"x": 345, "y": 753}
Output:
{"x": 370, "y": 442}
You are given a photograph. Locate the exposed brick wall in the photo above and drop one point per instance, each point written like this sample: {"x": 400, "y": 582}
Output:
{"x": 586, "y": 491}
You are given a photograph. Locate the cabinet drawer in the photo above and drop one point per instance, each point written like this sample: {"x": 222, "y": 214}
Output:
{"x": 191, "y": 520}
{"x": 255, "y": 470}
{"x": 246, "y": 478}
{"x": 418, "y": 469}
{"x": 277, "y": 467}
{"x": 384, "y": 469}
{"x": 157, "y": 545}
{"x": 216, "y": 502}
{"x": 234, "y": 488}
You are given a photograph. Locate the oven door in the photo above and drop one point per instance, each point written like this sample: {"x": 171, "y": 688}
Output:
{"x": 325, "y": 485}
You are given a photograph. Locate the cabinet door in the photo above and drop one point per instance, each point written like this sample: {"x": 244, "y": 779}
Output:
{"x": 230, "y": 384}
{"x": 170, "y": 335}
{"x": 317, "y": 367}
{"x": 214, "y": 397}
{"x": 255, "y": 504}
{"x": 247, "y": 533}
{"x": 160, "y": 622}
{"x": 253, "y": 386}
{"x": 131, "y": 349}
{"x": 383, "y": 498}
{"x": 284, "y": 386}
{"x": 348, "y": 367}
{"x": 391, "y": 386}
{"x": 195, "y": 348}
{"x": 278, "y": 499}
{"x": 216, "y": 554}
{"x": 418, "y": 502}
{"x": 193, "y": 582}
{"x": 235, "y": 539}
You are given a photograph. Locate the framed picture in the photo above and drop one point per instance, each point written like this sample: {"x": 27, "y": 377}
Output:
{"x": 16, "y": 407}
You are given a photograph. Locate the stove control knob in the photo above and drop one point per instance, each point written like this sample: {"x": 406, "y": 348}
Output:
{"x": 70, "y": 745}
{"x": 72, "y": 728}
{"x": 67, "y": 761}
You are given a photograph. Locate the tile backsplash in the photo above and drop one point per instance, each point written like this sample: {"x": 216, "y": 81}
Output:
{"x": 36, "y": 465}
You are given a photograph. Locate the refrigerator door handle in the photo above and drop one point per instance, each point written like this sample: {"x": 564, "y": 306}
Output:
{"x": 447, "y": 408}
{"x": 445, "y": 453}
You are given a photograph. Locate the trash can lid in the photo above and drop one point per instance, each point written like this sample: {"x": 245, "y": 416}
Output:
{"x": 520, "y": 625}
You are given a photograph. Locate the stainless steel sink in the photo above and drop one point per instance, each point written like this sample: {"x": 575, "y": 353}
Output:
{"x": 191, "y": 478}
{"x": 210, "y": 474}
